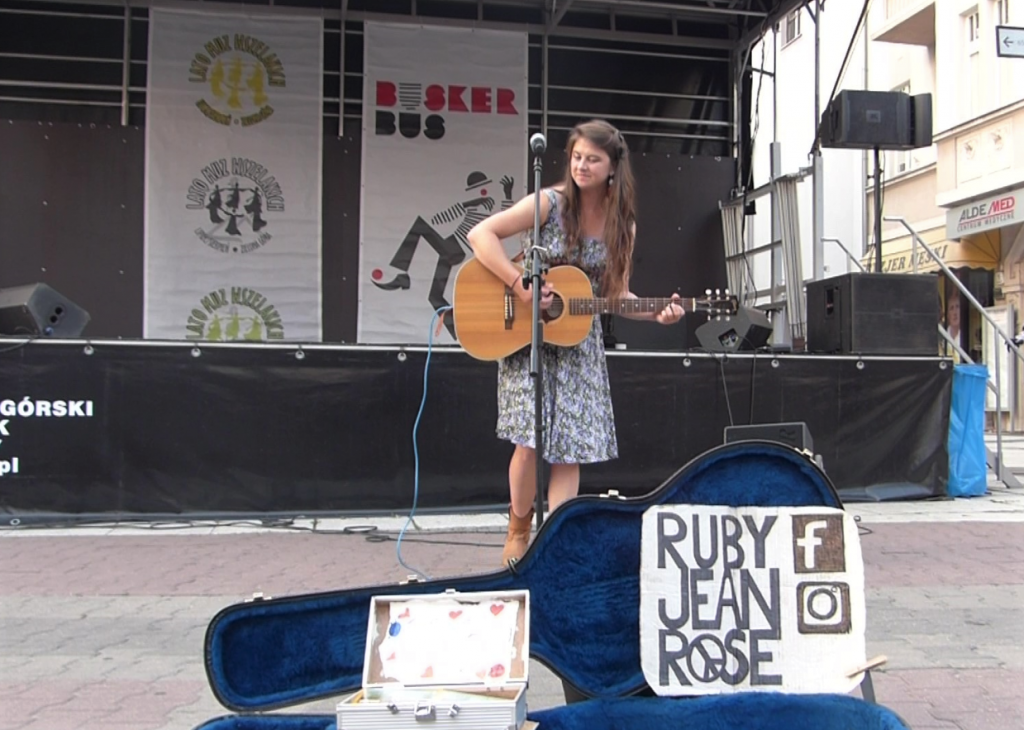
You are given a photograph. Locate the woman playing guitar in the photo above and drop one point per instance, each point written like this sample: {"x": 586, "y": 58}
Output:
{"x": 588, "y": 221}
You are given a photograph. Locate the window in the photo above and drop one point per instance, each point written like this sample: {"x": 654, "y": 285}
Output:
{"x": 791, "y": 28}
{"x": 971, "y": 86}
{"x": 1001, "y": 12}
{"x": 1001, "y": 76}
{"x": 973, "y": 24}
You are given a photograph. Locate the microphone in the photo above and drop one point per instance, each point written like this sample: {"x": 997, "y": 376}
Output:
{"x": 538, "y": 144}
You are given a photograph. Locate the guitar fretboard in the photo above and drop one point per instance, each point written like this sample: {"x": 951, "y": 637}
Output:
{"x": 626, "y": 306}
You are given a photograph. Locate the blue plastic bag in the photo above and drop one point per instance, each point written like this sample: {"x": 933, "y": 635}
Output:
{"x": 968, "y": 467}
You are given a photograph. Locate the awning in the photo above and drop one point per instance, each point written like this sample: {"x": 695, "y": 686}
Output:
{"x": 978, "y": 251}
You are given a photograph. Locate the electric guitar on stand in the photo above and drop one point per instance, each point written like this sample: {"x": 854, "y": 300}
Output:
{"x": 492, "y": 322}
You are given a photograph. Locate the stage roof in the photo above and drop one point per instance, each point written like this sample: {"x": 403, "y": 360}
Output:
{"x": 675, "y": 74}
{"x": 713, "y": 24}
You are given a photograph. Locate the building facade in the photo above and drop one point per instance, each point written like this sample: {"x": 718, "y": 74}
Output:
{"x": 964, "y": 195}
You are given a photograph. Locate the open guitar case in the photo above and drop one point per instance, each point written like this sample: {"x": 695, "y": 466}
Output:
{"x": 582, "y": 570}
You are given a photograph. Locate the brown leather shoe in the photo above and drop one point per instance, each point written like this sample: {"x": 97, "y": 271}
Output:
{"x": 518, "y": 537}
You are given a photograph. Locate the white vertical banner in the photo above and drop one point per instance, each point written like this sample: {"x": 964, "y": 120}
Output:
{"x": 444, "y": 146}
{"x": 234, "y": 134}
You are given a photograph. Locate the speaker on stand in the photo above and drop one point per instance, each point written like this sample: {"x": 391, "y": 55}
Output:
{"x": 37, "y": 310}
{"x": 877, "y": 120}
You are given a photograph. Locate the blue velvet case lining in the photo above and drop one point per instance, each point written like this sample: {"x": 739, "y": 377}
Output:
{"x": 582, "y": 571}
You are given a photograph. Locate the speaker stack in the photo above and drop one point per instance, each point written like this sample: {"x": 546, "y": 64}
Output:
{"x": 873, "y": 314}
{"x": 36, "y": 310}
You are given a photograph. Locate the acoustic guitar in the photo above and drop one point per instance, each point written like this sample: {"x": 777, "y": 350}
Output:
{"x": 492, "y": 322}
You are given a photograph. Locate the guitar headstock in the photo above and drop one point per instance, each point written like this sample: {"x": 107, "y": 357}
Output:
{"x": 717, "y": 303}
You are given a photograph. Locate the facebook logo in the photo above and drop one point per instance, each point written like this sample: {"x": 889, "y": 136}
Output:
{"x": 818, "y": 544}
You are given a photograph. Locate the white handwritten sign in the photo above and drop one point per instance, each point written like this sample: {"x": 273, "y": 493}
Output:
{"x": 750, "y": 598}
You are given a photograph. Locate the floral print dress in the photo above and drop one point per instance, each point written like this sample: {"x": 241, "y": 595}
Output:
{"x": 578, "y": 417}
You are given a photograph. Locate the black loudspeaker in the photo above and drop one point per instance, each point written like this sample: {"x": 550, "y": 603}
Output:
{"x": 37, "y": 310}
{"x": 748, "y": 329}
{"x": 873, "y": 314}
{"x": 888, "y": 120}
{"x": 793, "y": 434}
{"x": 921, "y": 120}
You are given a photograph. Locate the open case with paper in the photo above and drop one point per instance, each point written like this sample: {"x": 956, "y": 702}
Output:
{"x": 589, "y": 611}
{"x": 451, "y": 659}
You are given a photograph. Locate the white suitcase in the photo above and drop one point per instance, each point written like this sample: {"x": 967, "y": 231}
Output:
{"x": 448, "y": 660}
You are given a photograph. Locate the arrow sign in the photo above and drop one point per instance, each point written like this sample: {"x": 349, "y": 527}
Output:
{"x": 1009, "y": 42}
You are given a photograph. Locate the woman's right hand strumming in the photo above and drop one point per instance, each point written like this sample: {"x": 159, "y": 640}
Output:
{"x": 486, "y": 236}
{"x": 526, "y": 295}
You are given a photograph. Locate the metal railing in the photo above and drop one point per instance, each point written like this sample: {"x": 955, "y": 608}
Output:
{"x": 854, "y": 259}
{"x": 1002, "y": 474}
{"x": 942, "y": 330}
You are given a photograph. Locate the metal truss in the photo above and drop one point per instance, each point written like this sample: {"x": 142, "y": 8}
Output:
{"x": 700, "y": 46}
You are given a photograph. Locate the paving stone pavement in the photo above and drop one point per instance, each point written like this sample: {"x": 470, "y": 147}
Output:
{"x": 104, "y": 627}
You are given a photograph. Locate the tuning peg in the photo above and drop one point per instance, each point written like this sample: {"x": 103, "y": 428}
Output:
{"x": 707, "y": 292}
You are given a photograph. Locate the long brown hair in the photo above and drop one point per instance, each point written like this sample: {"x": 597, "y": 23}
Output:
{"x": 621, "y": 218}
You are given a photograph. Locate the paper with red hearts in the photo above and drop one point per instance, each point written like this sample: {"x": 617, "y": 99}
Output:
{"x": 445, "y": 641}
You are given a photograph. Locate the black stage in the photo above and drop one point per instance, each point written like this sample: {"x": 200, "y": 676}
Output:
{"x": 156, "y": 428}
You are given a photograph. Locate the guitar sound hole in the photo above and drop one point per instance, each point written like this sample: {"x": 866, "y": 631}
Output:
{"x": 555, "y": 310}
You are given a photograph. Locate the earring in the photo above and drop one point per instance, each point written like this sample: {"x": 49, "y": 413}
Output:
{"x": 611, "y": 178}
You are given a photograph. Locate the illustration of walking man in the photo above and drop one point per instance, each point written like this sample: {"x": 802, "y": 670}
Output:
{"x": 451, "y": 248}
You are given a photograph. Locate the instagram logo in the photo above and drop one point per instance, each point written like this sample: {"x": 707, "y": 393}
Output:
{"x": 818, "y": 544}
{"x": 823, "y": 608}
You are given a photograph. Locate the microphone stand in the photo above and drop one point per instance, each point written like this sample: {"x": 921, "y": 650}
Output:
{"x": 533, "y": 276}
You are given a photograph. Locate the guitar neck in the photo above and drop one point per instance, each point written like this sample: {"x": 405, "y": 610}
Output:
{"x": 640, "y": 305}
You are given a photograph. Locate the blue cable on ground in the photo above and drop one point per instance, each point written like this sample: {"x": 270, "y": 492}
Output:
{"x": 415, "y": 447}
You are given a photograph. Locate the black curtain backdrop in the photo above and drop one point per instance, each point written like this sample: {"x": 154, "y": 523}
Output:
{"x": 152, "y": 429}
